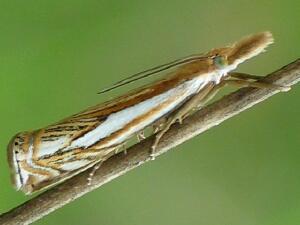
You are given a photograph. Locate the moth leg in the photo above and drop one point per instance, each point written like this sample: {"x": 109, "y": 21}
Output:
{"x": 124, "y": 149}
{"x": 244, "y": 76}
{"x": 246, "y": 83}
{"x": 244, "y": 79}
{"x": 206, "y": 99}
{"x": 99, "y": 159}
{"x": 120, "y": 148}
{"x": 91, "y": 174}
{"x": 177, "y": 115}
{"x": 158, "y": 125}
{"x": 141, "y": 136}
{"x": 200, "y": 99}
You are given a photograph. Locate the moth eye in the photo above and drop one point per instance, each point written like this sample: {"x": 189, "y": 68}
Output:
{"x": 220, "y": 61}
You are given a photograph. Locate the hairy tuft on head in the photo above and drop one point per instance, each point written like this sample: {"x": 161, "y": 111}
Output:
{"x": 249, "y": 47}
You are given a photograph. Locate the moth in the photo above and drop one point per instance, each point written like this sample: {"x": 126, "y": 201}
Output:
{"x": 41, "y": 158}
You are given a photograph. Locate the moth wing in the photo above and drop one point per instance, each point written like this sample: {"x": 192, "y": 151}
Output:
{"x": 67, "y": 169}
{"x": 60, "y": 151}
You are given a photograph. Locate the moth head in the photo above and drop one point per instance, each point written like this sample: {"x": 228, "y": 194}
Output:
{"x": 220, "y": 61}
{"x": 229, "y": 57}
{"x": 17, "y": 152}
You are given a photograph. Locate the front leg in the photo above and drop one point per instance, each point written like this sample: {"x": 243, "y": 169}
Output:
{"x": 244, "y": 76}
{"x": 241, "y": 80}
{"x": 248, "y": 80}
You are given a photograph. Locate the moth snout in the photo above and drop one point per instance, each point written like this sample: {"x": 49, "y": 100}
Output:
{"x": 249, "y": 47}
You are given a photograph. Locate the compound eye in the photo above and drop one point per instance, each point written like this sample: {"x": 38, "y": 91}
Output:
{"x": 220, "y": 61}
{"x": 16, "y": 144}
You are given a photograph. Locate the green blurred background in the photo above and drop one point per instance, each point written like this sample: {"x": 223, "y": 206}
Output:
{"x": 56, "y": 55}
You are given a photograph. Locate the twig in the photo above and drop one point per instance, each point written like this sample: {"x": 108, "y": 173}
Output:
{"x": 138, "y": 154}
